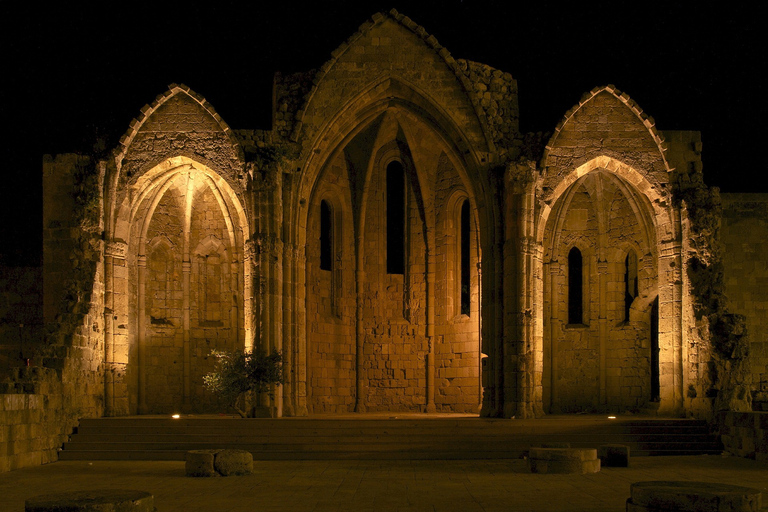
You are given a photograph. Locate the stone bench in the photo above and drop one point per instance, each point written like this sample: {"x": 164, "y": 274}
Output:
{"x": 218, "y": 462}
{"x": 692, "y": 497}
{"x": 613, "y": 455}
{"x": 563, "y": 460}
{"x": 106, "y": 500}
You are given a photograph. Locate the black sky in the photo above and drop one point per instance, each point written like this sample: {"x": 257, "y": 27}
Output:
{"x": 74, "y": 73}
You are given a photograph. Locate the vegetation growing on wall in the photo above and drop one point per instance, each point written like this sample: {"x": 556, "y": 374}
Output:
{"x": 727, "y": 331}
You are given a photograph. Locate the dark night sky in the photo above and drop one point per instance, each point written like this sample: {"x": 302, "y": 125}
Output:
{"x": 71, "y": 75}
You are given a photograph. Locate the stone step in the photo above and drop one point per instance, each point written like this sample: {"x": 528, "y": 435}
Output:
{"x": 140, "y": 438}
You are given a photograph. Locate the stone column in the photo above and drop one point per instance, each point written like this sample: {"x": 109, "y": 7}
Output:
{"x": 141, "y": 263}
{"x": 555, "y": 270}
{"x": 114, "y": 255}
{"x": 186, "y": 271}
{"x": 602, "y": 273}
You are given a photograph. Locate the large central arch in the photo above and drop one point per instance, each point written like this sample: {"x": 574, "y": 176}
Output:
{"x": 378, "y": 340}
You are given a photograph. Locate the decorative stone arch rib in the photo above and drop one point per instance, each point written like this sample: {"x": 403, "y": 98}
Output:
{"x": 429, "y": 40}
{"x": 126, "y": 270}
{"x": 660, "y": 230}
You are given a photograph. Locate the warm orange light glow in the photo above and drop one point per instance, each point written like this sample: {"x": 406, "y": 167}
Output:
{"x": 176, "y": 416}
{"x": 611, "y": 417}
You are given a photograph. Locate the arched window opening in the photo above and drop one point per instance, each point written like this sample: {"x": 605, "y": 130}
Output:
{"x": 464, "y": 258}
{"x": 630, "y": 282}
{"x": 395, "y": 218}
{"x": 326, "y": 236}
{"x": 575, "y": 287}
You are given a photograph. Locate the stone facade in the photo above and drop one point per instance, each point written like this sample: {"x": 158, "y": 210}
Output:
{"x": 398, "y": 239}
{"x": 745, "y": 240}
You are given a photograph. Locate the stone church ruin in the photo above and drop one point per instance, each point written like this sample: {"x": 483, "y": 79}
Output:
{"x": 403, "y": 245}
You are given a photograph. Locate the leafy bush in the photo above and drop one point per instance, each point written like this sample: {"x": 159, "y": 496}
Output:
{"x": 241, "y": 376}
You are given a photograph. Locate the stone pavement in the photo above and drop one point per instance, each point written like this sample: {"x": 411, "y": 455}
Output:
{"x": 377, "y": 485}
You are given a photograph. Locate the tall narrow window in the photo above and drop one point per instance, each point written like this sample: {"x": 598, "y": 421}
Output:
{"x": 326, "y": 236}
{"x": 465, "y": 258}
{"x": 395, "y": 218}
{"x": 575, "y": 288}
{"x": 630, "y": 282}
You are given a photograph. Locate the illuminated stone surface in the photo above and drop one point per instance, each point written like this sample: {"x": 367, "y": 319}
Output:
{"x": 191, "y": 237}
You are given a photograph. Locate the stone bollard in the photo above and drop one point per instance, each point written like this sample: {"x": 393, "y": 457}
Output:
{"x": 106, "y": 500}
{"x": 692, "y": 497}
{"x": 563, "y": 460}
{"x": 218, "y": 462}
{"x": 613, "y": 455}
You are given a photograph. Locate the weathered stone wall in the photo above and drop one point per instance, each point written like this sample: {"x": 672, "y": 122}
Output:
{"x": 39, "y": 405}
{"x": 34, "y": 422}
{"x": 391, "y": 45}
{"x": 744, "y": 235}
{"x": 21, "y": 315}
{"x": 331, "y": 300}
{"x": 179, "y": 122}
{"x": 457, "y": 335}
{"x": 745, "y": 434}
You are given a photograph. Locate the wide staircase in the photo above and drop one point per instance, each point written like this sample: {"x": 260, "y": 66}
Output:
{"x": 413, "y": 437}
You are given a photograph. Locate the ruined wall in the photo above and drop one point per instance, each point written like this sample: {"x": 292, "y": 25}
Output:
{"x": 744, "y": 235}
{"x": 39, "y": 405}
{"x": 21, "y": 315}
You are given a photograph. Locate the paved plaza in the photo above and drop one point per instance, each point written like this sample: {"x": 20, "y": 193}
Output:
{"x": 417, "y": 486}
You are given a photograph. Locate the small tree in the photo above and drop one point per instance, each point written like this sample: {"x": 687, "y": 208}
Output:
{"x": 240, "y": 376}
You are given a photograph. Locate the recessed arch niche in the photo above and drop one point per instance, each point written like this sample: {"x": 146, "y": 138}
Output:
{"x": 181, "y": 285}
{"x": 596, "y": 341}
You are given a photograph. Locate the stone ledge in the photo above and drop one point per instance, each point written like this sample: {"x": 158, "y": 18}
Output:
{"x": 105, "y": 500}
{"x": 692, "y": 497}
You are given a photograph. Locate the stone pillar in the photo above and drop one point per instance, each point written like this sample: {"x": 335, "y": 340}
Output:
{"x": 114, "y": 255}
{"x": 186, "y": 273}
{"x": 555, "y": 271}
{"x": 602, "y": 333}
{"x": 141, "y": 263}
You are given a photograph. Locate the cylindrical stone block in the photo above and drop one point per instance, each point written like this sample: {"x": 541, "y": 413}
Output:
{"x": 563, "y": 453}
{"x": 106, "y": 500}
{"x": 200, "y": 463}
{"x": 233, "y": 462}
{"x": 564, "y": 466}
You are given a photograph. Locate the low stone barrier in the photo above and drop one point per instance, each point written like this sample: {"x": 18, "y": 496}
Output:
{"x": 563, "y": 460}
{"x": 218, "y": 462}
{"x": 105, "y": 500}
{"x": 692, "y": 497}
{"x": 613, "y": 455}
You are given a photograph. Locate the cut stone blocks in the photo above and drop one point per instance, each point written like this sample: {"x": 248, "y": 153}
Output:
{"x": 218, "y": 462}
{"x": 106, "y": 500}
{"x": 563, "y": 460}
{"x": 613, "y": 455}
{"x": 692, "y": 497}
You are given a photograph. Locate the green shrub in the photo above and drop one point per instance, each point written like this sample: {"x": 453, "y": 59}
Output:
{"x": 240, "y": 376}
